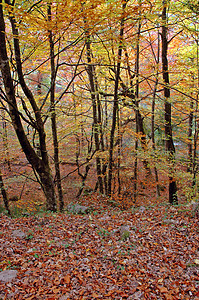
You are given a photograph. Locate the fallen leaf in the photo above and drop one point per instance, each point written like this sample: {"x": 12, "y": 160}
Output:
{"x": 162, "y": 289}
{"x": 67, "y": 279}
{"x": 80, "y": 279}
{"x": 114, "y": 280}
{"x": 109, "y": 293}
{"x": 94, "y": 295}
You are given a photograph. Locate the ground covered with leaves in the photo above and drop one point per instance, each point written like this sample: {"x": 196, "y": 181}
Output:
{"x": 144, "y": 253}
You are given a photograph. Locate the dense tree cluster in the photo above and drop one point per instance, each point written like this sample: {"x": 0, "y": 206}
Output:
{"x": 115, "y": 80}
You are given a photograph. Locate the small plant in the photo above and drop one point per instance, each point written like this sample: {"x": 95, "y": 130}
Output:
{"x": 30, "y": 235}
{"x": 125, "y": 235}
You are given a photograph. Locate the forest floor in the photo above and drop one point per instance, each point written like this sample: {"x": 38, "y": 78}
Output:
{"x": 148, "y": 251}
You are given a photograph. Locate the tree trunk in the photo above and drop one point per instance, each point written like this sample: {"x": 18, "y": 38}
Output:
{"x": 169, "y": 145}
{"x": 190, "y": 142}
{"x": 130, "y": 93}
{"x": 115, "y": 102}
{"x": 196, "y": 129}
{"x": 157, "y": 59}
{"x": 5, "y": 140}
{"x": 95, "y": 106}
{"x": 138, "y": 117}
{"x": 4, "y": 194}
{"x": 53, "y": 116}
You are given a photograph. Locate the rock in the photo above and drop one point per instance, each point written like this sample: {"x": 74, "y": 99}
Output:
{"x": 8, "y": 275}
{"x": 142, "y": 209}
{"x": 18, "y": 233}
{"x": 168, "y": 221}
{"x": 64, "y": 297}
{"x": 195, "y": 208}
{"x": 77, "y": 209}
{"x": 124, "y": 232}
{"x": 124, "y": 228}
{"x": 136, "y": 296}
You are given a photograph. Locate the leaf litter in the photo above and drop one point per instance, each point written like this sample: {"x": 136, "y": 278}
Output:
{"x": 144, "y": 253}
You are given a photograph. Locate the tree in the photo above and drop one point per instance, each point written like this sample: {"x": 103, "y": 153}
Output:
{"x": 115, "y": 99}
{"x": 169, "y": 145}
{"x": 53, "y": 112}
{"x": 4, "y": 194}
{"x": 41, "y": 165}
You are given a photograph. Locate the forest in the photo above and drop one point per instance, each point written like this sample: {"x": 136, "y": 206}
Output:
{"x": 99, "y": 124}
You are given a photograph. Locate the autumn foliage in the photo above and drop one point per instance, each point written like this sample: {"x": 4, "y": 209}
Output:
{"x": 99, "y": 106}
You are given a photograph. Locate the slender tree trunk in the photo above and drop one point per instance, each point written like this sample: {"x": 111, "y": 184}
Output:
{"x": 119, "y": 152}
{"x": 87, "y": 168}
{"x": 40, "y": 165}
{"x": 5, "y": 140}
{"x": 115, "y": 102}
{"x": 135, "y": 177}
{"x": 95, "y": 107}
{"x": 190, "y": 142}
{"x": 153, "y": 115}
{"x": 129, "y": 93}
{"x": 4, "y": 194}
{"x": 104, "y": 171}
{"x": 194, "y": 161}
{"x": 138, "y": 118}
{"x": 153, "y": 144}
{"x": 53, "y": 116}
{"x": 169, "y": 145}
{"x": 101, "y": 135}
{"x": 196, "y": 129}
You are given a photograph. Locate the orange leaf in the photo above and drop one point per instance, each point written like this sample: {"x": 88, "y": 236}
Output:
{"x": 55, "y": 290}
{"x": 94, "y": 295}
{"x": 67, "y": 279}
{"x": 122, "y": 294}
{"x": 162, "y": 289}
{"x": 72, "y": 256}
{"x": 114, "y": 280}
{"x": 89, "y": 274}
{"x": 56, "y": 280}
{"x": 80, "y": 279}
{"x": 110, "y": 293}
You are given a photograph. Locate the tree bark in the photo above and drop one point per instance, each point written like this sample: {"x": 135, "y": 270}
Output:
{"x": 129, "y": 92}
{"x": 190, "y": 142}
{"x": 95, "y": 107}
{"x": 4, "y": 195}
{"x": 169, "y": 145}
{"x": 53, "y": 116}
{"x": 5, "y": 140}
{"x": 157, "y": 59}
{"x": 138, "y": 117}
{"x": 115, "y": 102}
